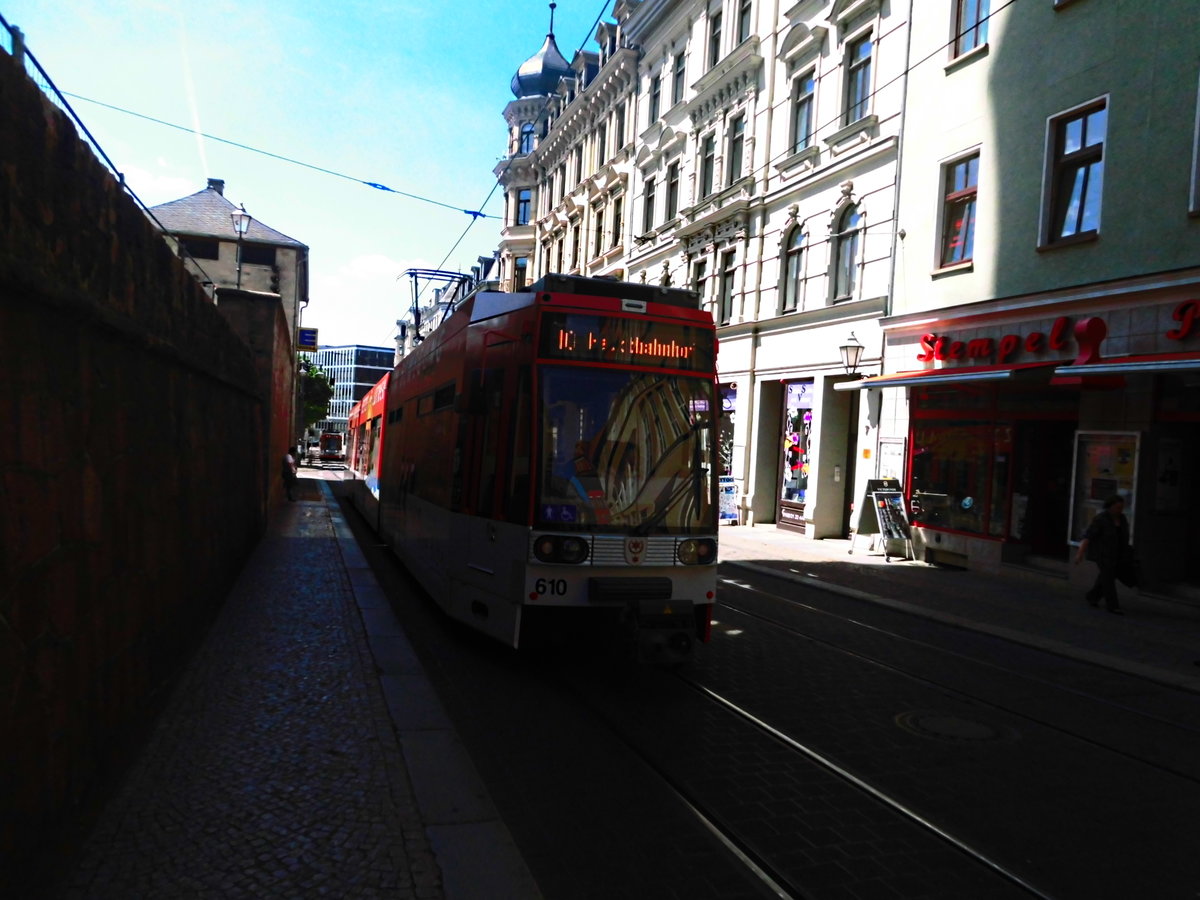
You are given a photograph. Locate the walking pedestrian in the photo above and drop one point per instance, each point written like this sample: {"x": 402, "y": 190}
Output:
{"x": 289, "y": 473}
{"x": 1106, "y": 543}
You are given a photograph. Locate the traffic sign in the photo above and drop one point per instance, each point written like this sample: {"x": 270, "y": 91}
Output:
{"x": 307, "y": 339}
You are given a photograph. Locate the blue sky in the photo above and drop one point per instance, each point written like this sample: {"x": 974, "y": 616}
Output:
{"x": 407, "y": 93}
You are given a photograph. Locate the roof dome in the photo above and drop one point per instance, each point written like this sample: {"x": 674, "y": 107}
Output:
{"x": 540, "y": 73}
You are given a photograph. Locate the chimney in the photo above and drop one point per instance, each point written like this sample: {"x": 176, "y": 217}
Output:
{"x": 218, "y": 185}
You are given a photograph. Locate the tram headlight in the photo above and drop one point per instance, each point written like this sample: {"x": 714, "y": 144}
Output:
{"x": 696, "y": 552}
{"x": 572, "y": 550}
{"x": 552, "y": 548}
{"x": 544, "y": 548}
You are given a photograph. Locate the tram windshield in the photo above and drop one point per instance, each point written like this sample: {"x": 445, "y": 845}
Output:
{"x": 628, "y": 452}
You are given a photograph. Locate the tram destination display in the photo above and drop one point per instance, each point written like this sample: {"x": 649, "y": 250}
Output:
{"x": 578, "y": 337}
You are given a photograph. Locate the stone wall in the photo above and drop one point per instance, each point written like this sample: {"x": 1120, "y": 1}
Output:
{"x": 133, "y": 477}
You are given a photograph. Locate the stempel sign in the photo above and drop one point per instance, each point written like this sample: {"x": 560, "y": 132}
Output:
{"x": 1089, "y": 333}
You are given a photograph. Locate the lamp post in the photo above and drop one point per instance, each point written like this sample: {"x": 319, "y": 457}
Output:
{"x": 851, "y": 353}
{"x": 241, "y": 224}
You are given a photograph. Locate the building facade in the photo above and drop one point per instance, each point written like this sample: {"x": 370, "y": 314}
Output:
{"x": 999, "y": 209}
{"x": 355, "y": 369}
{"x": 1042, "y": 350}
{"x": 200, "y": 229}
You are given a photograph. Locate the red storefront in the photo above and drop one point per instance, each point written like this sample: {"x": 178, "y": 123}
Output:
{"x": 1019, "y": 424}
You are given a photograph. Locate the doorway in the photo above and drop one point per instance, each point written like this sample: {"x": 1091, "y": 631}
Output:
{"x": 1041, "y": 499}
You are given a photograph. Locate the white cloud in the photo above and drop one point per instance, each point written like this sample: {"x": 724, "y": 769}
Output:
{"x": 359, "y": 301}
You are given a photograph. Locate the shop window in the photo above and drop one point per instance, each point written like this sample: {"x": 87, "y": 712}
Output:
{"x": 1076, "y": 174}
{"x": 950, "y": 475}
{"x": 970, "y": 25}
{"x": 797, "y": 434}
{"x": 959, "y": 188}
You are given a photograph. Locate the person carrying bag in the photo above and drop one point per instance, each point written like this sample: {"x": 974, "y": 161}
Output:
{"x": 1106, "y": 543}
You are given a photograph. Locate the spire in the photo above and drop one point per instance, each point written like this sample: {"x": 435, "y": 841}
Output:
{"x": 553, "y": 6}
{"x": 540, "y": 73}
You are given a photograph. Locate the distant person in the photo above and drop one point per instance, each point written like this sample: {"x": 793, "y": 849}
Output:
{"x": 289, "y": 473}
{"x": 1106, "y": 543}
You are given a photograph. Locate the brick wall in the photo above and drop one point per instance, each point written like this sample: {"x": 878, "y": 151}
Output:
{"x": 135, "y": 474}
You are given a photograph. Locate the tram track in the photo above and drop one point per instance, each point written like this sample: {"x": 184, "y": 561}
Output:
{"x": 953, "y": 690}
{"x": 772, "y": 873}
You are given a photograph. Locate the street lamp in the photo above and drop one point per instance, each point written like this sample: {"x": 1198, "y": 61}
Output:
{"x": 241, "y": 224}
{"x": 851, "y": 353}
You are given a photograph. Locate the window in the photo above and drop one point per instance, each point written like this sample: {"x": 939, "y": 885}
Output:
{"x": 802, "y": 111}
{"x": 559, "y": 255}
{"x": 793, "y": 270}
{"x": 524, "y": 196}
{"x": 728, "y": 272}
{"x": 1077, "y": 172}
{"x": 618, "y": 219}
{"x": 744, "y": 19}
{"x": 575, "y": 245}
{"x": 527, "y": 138}
{"x": 708, "y": 161}
{"x": 700, "y": 277}
{"x": 520, "y": 272}
{"x": 672, "y": 191}
{"x": 601, "y": 144}
{"x": 737, "y": 143}
{"x": 845, "y": 242}
{"x": 598, "y": 237}
{"x": 858, "y": 79}
{"x": 958, "y": 210}
{"x": 201, "y": 248}
{"x": 258, "y": 254}
{"x": 655, "y": 99}
{"x": 970, "y": 25}
{"x": 677, "y": 83}
{"x": 578, "y": 163}
{"x": 714, "y": 38}
{"x": 648, "y": 205}
{"x": 620, "y": 126}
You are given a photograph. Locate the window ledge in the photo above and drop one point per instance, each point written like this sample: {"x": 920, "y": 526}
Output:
{"x": 953, "y": 269}
{"x": 965, "y": 59}
{"x": 808, "y": 158}
{"x": 1086, "y": 237}
{"x": 857, "y": 132}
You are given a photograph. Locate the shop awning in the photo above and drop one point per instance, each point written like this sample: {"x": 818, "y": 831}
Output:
{"x": 932, "y": 377}
{"x": 1132, "y": 365}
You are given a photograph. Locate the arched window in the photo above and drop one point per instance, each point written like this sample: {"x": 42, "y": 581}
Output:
{"x": 527, "y": 132}
{"x": 846, "y": 240}
{"x": 793, "y": 269}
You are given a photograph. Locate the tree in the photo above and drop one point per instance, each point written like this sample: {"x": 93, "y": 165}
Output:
{"x": 316, "y": 390}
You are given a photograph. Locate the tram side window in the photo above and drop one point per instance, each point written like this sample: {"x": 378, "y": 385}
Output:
{"x": 491, "y": 442}
{"x": 517, "y": 499}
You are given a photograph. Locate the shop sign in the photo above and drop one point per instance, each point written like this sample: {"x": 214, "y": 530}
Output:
{"x": 1089, "y": 333}
{"x": 1187, "y": 314}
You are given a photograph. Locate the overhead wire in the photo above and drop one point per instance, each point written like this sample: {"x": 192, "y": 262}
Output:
{"x": 474, "y": 214}
{"x": 508, "y": 162}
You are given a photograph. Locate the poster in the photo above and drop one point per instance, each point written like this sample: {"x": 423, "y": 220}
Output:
{"x": 1105, "y": 464}
{"x": 891, "y": 458}
{"x": 728, "y": 492}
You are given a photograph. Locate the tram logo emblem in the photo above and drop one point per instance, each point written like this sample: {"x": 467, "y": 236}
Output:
{"x": 635, "y": 550}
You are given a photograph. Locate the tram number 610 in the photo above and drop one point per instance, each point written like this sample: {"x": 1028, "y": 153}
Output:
{"x": 555, "y": 587}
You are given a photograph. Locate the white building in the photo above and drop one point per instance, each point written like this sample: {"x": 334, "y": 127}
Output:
{"x": 752, "y": 158}
{"x": 355, "y": 369}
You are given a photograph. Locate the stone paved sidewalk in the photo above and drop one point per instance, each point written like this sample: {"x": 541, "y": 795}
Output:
{"x": 274, "y": 770}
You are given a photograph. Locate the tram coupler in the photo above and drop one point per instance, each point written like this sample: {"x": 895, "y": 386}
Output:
{"x": 663, "y": 630}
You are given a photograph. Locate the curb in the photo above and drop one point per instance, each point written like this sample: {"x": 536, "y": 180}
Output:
{"x": 478, "y": 858}
{"x": 1059, "y": 648}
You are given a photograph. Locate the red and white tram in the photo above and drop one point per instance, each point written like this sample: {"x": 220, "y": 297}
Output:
{"x": 549, "y": 454}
